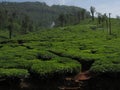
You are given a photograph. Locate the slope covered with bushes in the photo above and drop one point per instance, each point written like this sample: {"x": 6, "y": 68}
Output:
{"x": 59, "y": 51}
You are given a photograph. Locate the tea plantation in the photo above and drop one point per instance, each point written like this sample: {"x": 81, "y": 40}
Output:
{"x": 61, "y": 51}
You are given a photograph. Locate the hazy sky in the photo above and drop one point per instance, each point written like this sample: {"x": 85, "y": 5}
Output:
{"x": 108, "y": 6}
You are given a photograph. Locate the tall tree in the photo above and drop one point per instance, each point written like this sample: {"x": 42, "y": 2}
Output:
{"x": 83, "y": 14}
{"x": 25, "y": 24}
{"x": 110, "y": 31}
{"x": 92, "y": 10}
{"x": 10, "y": 27}
{"x": 79, "y": 16}
{"x": 99, "y": 17}
{"x": 62, "y": 19}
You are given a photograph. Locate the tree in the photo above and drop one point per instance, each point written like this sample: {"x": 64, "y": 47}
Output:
{"x": 102, "y": 19}
{"x": 62, "y": 19}
{"x": 110, "y": 31}
{"x": 10, "y": 27}
{"x": 25, "y": 24}
{"x": 3, "y": 18}
{"x": 79, "y": 16}
{"x": 92, "y": 10}
{"x": 30, "y": 27}
{"x": 105, "y": 19}
{"x": 83, "y": 14}
{"x": 99, "y": 17}
{"x": 118, "y": 17}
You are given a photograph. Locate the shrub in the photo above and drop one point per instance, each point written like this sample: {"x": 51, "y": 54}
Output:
{"x": 106, "y": 66}
{"x": 10, "y": 73}
{"x": 49, "y": 68}
{"x": 45, "y": 55}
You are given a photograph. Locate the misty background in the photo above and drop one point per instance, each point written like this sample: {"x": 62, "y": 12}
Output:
{"x": 108, "y": 6}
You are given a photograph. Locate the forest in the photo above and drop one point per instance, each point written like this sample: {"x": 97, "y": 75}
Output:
{"x": 58, "y": 48}
{"x": 17, "y": 20}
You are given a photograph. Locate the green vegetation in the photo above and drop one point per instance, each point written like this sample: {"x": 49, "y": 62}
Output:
{"x": 59, "y": 67}
{"x": 16, "y": 20}
{"x": 16, "y": 73}
{"x": 19, "y": 61}
{"x": 83, "y": 43}
{"x": 61, "y": 50}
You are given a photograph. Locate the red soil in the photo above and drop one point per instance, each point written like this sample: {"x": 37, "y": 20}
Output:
{"x": 82, "y": 76}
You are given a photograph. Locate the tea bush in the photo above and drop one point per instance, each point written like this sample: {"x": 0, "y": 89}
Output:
{"x": 10, "y": 73}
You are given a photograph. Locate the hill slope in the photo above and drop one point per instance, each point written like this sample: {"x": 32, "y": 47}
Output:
{"x": 60, "y": 50}
{"x": 40, "y": 13}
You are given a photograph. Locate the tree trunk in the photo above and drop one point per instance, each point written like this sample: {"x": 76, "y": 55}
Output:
{"x": 110, "y": 32}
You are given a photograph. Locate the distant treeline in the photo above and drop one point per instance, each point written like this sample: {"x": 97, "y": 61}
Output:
{"x": 24, "y": 17}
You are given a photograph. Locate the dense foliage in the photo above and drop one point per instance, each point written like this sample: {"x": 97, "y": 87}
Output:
{"x": 57, "y": 51}
{"x": 85, "y": 43}
{"x": 16, "y": 20}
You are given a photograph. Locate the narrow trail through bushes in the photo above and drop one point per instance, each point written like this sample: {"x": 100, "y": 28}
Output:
{"x": 78, "y": 81}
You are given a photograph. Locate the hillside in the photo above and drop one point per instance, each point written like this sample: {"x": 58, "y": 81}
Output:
{"x": 81, "y": 51}
{"x": 63, "y": 51}
{"x": 84, "y": 43}
{"x": 40, "y": 13}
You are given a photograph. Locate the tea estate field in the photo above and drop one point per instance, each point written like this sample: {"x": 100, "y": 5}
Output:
{"x": 61, "y": 51}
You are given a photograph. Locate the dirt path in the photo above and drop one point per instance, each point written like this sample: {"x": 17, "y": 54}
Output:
{"x": 82, "y": 76}
{"x": 76, "y": 82}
